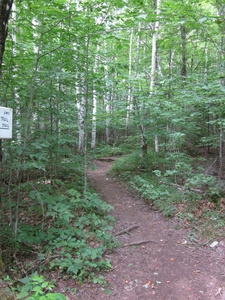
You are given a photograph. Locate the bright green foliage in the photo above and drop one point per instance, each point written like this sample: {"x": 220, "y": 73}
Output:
{"x": 126, "y": 165}
{"x": 36, "y": 288}
{"x": 156, "y": 193}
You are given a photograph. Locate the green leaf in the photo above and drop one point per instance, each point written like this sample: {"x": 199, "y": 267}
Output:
{"x": 56, "y": 296}
{"x": 108, "y": 291}
{"x": 73, "y": 192}
{"x": 37, "y": 289}
{"x": 22, "y": 295}
{"x": 44, "y": 284}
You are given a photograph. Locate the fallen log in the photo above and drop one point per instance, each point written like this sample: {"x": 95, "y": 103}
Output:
{"x": 106, "y": 159}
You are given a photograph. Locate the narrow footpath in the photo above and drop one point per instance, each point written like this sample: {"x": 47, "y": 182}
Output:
{"x": 156, "y": 260}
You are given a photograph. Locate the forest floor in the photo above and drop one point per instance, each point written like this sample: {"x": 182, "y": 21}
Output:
{"x": 155, "y": 258}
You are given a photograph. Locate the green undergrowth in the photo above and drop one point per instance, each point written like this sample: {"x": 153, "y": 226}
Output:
{"x": 124, "y": 145}
{"x": 33, "y": 287}
{"x": 177, "y": 188}
{"x": 59, "y": 230}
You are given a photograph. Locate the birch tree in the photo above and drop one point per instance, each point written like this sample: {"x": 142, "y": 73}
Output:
{"x": 154, "y": 61}
{"x": 130, "y": 96}
{"x": 107, "y": 95}
{"x": 81, "y": 111}
{"x": 94, "y": 108}
{"x": 153, "y": 76}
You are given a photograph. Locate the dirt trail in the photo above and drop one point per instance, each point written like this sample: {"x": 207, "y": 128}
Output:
{"x": 166, "y": 267}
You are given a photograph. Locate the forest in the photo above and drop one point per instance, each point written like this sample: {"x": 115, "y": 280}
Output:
{"x": 143, "y": 81}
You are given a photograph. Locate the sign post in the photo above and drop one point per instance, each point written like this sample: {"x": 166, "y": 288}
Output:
{"x": 5, "y": 123}
{"x": 5, "y": 133}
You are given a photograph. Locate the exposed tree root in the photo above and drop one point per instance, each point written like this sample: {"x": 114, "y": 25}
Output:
{"x": 126, "y": 230}
{"x": 137, "y": 243}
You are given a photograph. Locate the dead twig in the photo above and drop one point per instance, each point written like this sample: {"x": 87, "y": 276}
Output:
{"x": 137, "y": 243}
{"x": 126, "y": 230}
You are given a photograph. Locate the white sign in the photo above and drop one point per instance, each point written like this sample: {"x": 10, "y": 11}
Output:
{"x": 5, "y": 123}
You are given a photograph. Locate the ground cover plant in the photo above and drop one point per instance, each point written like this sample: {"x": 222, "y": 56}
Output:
{"x": 176, "y": 187}
{"x": 59, "y": 230}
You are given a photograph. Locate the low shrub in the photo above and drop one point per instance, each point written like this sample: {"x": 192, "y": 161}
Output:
{"x": 64, "y": 231}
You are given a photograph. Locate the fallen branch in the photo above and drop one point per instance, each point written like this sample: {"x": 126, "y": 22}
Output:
{"x": 182, "y": 188}
{"x": 126, "y": 230}
{"x": 137, "y": 243}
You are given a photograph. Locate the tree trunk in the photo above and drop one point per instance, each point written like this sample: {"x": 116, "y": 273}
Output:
{"x": 94, "y": 109}
{"x": 156, "y": 143}
{"x": 184, "y": 53}
{"x": 5, "y": 8}
{"x": 144, "y": 144}
{"x": 81, "y": 120}
{"x": 107, "y": 100}
{"x": 154, "y": 66}
{"x": 171, "y": 56}
{"x": 154, "y": 50}
{"x": 221, "y": 12}
{"x": 129, "y": 98}
{"x": 87, "y": 44}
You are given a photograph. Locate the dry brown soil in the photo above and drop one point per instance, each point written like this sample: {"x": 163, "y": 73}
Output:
{"x": 166, "y": 267}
